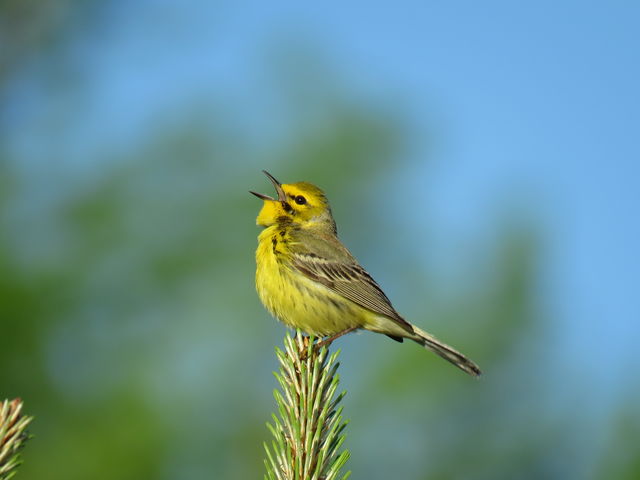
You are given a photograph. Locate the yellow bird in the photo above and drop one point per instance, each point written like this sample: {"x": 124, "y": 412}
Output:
{"x": 309, "y": 280}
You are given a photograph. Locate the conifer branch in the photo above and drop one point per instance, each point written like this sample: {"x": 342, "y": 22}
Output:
{"x": 309, "y": 430}
{"x": 13, "y": 435}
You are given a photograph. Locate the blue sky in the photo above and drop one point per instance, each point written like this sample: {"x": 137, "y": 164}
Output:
{"x": 536, "y": 107}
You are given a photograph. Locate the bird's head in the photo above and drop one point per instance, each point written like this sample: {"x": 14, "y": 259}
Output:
{"x": 300, "y": 203}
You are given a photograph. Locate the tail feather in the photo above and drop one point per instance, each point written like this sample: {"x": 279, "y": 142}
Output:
{"x": 445, "y": 351}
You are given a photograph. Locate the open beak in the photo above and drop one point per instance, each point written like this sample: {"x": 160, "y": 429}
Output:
{"x": 281, "y": 195}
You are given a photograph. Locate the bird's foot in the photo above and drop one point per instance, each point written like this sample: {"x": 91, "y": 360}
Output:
{"x": 304, "y": 347}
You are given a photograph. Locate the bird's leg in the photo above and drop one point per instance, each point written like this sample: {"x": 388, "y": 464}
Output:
{"x": 327, "y": 341}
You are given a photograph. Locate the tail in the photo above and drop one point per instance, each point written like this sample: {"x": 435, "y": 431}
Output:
{"x": 445, "y": 351}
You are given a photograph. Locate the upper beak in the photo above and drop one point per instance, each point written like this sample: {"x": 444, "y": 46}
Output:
{"x": 281, "y": 195}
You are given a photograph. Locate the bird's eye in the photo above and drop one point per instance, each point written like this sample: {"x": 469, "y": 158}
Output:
{"x": 300, "y": 200}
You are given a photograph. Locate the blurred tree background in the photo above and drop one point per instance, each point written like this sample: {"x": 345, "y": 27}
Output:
{"x": 129, "y": 321}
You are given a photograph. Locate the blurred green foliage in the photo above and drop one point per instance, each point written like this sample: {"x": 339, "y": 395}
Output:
{"x": 130, "y": 327}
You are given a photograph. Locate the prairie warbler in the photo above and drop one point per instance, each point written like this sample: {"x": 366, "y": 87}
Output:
{"x": 309, "y": 280}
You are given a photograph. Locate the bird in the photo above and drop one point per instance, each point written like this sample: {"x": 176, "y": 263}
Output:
{"x": 307, "y": 279}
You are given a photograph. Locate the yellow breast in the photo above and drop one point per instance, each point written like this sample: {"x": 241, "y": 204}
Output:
{"x": 294, "y": 299}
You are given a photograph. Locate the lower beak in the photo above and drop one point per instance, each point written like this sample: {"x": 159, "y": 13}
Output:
{"x": 262, "y": 196}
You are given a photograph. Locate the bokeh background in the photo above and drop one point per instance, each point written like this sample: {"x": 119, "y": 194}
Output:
{"x": 482, "y": 161}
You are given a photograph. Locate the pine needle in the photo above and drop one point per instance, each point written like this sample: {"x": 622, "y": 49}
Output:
{"x": 309, "y": 429}
{"x": 13, "y": 435}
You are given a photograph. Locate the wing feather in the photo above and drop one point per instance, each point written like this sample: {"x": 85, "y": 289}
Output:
{"x": 349, "y": 280}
